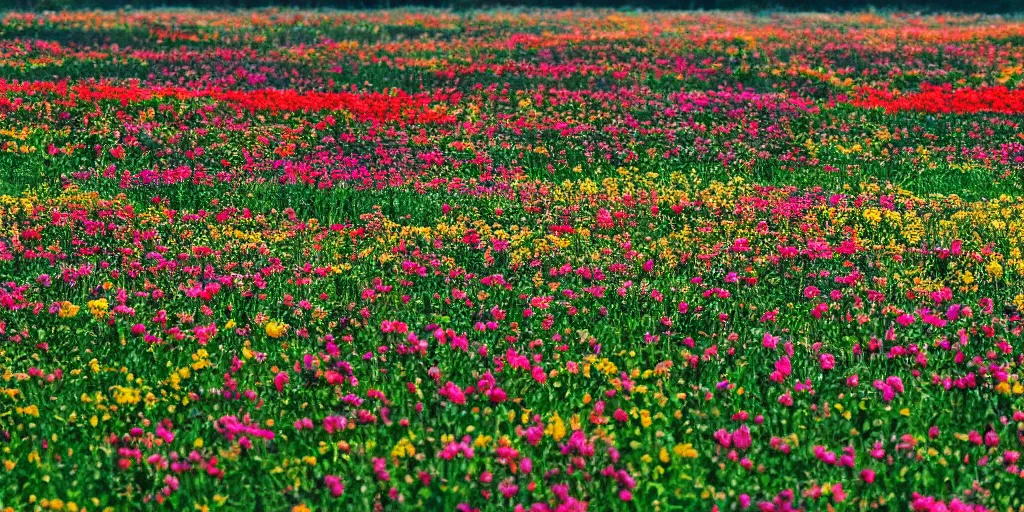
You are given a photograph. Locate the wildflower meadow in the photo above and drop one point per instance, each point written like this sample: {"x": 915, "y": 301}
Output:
{"x": 530, "y": 260}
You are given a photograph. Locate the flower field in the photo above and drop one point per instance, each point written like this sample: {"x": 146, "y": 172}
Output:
{"x": 511, "y": 260}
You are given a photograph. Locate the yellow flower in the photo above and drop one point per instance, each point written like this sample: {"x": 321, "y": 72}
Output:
{"x": 125, "y": 395}
{"x": 276, "y": 329}
{"x": 98, "y": 307}
{"x": 994, "y": 269}
{"x": 556, "y": 427}
{"x": 685, "y": 451}
{"x": 68, "y": 310}
{"x": 967, "y": 277}
{"x": 872, "y": 215}
{"x": 201, "y": 358}
{"x": 404, "y": 448}
{"x": 31, "y": 410}
{"x": 645, "y": 418}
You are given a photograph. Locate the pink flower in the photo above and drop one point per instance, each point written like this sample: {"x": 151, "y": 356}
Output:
{"x": 838, "y": 494}
{"x": 783, "y": 368}
{"x": 953, "y": 313}
{"x": 538, "y": 374}
{"x": 1010, "y": 457}
{"x": 507, "y": 488}
{"x": 888, "y": 394}
{"x": 380, "y": 469}
{"x": 819, "y": 310}
{"x": 280, "y": 380}
{"x": 453, "y": 393}
{"x": 741, "y": 439}
{"x": 723, "y": 438}
{"x": 991, "y": 439}
{"x": 828, "y": 361}
{"x": 333, "y": 484}
{"x": 878, "y": 452}
{"x": 395, "y": 326}
{"x": 164, "y": 434}
{"x": 957, "y": 248}
{"x": 333, "y": 424}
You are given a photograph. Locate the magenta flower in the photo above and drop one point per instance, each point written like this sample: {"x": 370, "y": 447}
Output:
{"x": 334, "y": 424}
{"x": 741, "y": 438}
{"x": 334, "y": 485}
{"x": 280, "y": 380}
{"x": 828, "y": 361}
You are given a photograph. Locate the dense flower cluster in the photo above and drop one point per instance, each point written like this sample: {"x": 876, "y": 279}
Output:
{"x": 536, "y": 261}
{"x": 947, "y": 100}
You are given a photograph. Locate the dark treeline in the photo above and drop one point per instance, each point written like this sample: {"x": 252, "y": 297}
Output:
{"x": 989, "y": 6}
